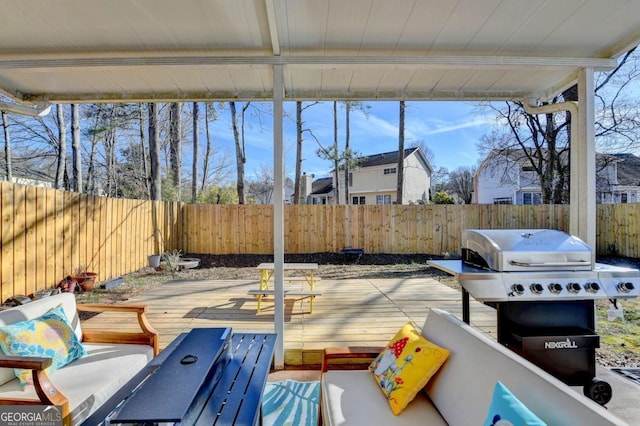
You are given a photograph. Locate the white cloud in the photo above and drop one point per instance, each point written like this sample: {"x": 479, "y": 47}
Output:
{"x": 435, "y": 127}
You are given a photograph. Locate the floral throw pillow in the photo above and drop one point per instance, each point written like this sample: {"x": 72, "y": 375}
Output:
{"x": 49, "y": 335}
{"x": 405, "y": 366}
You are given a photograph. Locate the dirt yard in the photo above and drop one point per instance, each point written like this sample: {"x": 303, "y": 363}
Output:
{"x": 620, "y": 340}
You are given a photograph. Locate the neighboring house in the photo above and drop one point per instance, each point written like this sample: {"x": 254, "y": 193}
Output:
{"x": 263, "y": 194}
{"x": 374, "y": 180}
{"x": 618, "y": 179}
{"x": 27, "y": 176}
{"x": 508, "y": 178}
{"x": 321, "y": 191}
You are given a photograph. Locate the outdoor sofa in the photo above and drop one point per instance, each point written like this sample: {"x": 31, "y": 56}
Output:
{"x": 462, "y": 390}
{"x": 84, "y": 384}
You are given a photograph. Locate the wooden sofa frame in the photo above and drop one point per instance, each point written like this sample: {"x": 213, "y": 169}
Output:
{"x": 48, "y": 394}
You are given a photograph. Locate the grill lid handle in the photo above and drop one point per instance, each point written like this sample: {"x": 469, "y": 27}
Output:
{"x": 549, "y": 264}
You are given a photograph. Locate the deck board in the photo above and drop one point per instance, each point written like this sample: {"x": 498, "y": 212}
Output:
{"x": 353, "y": 311}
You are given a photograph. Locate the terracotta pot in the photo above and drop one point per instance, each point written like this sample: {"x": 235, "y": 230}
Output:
{"x": 86, "y": 280}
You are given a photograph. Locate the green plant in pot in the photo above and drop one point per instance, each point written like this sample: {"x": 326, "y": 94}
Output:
{"x": 154, "y": 260}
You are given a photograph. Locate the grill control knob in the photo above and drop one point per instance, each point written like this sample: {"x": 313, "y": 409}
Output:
{"x": 592, "y": 287}
{"x": 555, "y": 288}
{"x": 517, "y": 289}
{"x": 536, "y": 288}
{"x": 573, "y": 288}
{"x": 625, "y": 287}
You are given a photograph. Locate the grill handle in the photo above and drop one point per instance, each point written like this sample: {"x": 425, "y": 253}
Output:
{"x": 550, "y": 264}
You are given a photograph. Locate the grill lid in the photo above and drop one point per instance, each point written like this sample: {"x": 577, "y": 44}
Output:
{"x": 508, "y": 250}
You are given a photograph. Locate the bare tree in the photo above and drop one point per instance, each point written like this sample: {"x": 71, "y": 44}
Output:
{"x": 300, "y": 130}
{"x": 143, "y": 150}
{"x": 348, "y": 155}
{"x": 62, "y": 147}
{"x": 241, "y": 158}
{"x": 75, "y": 148}
{"x": 7, "y": 147}
{"x": 540, "y": 144}
{"x": 299, "y": 139}
{"x": 461, "y": 183}
{"x": 336, "y": 161}
{"x": 439, "y": 179}
{"x": 428, "y": 153}
{"x": 194, "y": 172}
{"x": 175, "y": 144}
{"x": 218, "y": 171}
{"x": 400, "y": 171}
{"x": 261, "y": 189}
{"x": 154, "y": 153}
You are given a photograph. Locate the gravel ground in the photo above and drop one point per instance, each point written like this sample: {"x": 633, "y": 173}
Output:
{"x": 620, "y": 340}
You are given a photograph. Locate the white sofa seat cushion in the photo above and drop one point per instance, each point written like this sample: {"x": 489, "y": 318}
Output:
{"x": 352, "y": 397}
{"x": 91, "y": 380}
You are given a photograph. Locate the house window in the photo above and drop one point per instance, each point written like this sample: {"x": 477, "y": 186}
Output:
{"x": 505, "y": 200}
{"x": 531, "y": 198}
{"x": 383, "y": 199}
{"x": 623, "y": 198}
{"x": 390, "y": 171}
{"x": 351, "y": 181}
{"x": 358, "y": 200}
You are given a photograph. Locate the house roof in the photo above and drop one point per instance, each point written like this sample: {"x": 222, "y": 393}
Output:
{"x": 138, "y": 50}
{"x": 383, "y": 158}
{"x": 321, "y": 186}
{"x": 628, "y": 169}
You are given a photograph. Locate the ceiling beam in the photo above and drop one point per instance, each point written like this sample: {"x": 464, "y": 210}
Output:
{"x": 272, "y": 22}
{"x": 448, "y": 62}
{"x": 290, "y": 95}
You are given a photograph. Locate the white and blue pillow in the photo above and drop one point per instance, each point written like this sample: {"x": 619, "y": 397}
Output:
{"x": 49, "y": 335}
{"x": 507, "y": 410}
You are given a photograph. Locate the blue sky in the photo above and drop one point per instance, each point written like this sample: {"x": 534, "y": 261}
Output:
{"x": 450, "y": 129}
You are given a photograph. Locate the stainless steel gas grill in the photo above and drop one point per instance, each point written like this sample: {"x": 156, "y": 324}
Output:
{"x": 543, "y": 284}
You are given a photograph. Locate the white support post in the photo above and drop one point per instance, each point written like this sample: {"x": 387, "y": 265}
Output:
{"x": 278, "y": 214}
{"x": 583, "y": 164}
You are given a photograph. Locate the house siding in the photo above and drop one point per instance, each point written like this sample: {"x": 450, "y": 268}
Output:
{"x": 502, "y": 178}
{"x": 416, "y": 182}
{"x": 497, "y": 180}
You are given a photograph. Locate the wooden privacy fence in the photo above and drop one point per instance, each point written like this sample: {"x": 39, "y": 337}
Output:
{"x": 48, "y": 234}
{"x": 398, "y": 229}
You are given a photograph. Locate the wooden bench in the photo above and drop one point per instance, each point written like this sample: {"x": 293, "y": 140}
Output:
{"x": 286, "y": 292}
{"x": 259, "y": 294}
{"x": 298, "y": 279}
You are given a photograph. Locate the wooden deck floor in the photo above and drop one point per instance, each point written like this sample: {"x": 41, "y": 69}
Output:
{"x": 350, "y": 312}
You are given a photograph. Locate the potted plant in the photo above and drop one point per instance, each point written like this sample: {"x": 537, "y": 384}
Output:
{"x": 153, "y": 260}
{"x": 85, "y": 279}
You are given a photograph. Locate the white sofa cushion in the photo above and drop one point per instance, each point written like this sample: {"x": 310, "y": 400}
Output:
{"x": 91, "y": 380}
{"x": 352, "y": 397}
{"x": 463, "y": 387}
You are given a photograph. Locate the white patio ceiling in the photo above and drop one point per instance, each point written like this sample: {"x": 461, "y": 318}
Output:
{"x": 134, "y": 50}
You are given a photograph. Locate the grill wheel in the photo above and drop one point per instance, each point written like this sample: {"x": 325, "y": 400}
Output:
{"x": 599, "y": 391}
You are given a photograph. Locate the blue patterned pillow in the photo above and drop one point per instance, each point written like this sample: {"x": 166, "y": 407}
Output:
{"x": 506, "y": 409}
{"x": 49, "y": 335}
